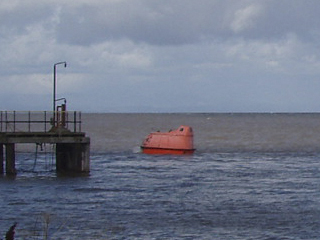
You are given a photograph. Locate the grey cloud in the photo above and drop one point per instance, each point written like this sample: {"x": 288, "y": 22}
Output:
{"x": 159, "y": 23}
{"x": 221, "y": 55}
{"x": 17, "y": 19}
{"x": 166, "y": 22}
{"x": 279, "y": 18}
{"x": 183, "y": 22}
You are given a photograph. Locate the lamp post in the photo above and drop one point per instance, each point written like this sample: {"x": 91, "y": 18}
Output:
{"x": 54, "y": 88}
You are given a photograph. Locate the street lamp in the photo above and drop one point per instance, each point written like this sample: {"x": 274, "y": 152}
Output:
{"x": 54, "y": 88}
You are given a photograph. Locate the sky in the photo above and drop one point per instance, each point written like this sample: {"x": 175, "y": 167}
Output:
{"x": 161, "y": 56}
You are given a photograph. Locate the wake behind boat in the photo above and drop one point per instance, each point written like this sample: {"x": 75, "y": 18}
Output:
{"x": 179, "y": 141}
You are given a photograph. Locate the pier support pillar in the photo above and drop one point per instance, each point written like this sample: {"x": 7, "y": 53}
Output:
{"x": 1, "y": 158}
{"x": 10, "y": 159}
{"x": 73, "y": 157}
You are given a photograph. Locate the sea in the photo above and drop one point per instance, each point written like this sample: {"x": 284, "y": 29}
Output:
{"x": 253, "y": 176}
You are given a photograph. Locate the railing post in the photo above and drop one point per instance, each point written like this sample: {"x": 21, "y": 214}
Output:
{"x": 6, "y": 121}
{"x": 29, "y": 121}
{"x": 14, "y": 121}
{"x": 80, "y": 121}
{"x": 1, "y": 121}
{"x": 45, "y": 121}
{"x": 68, "y": 117}
{"x": 75, "y": 121}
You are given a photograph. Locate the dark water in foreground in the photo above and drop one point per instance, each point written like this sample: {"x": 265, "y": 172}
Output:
{"x": 253, "y": 177}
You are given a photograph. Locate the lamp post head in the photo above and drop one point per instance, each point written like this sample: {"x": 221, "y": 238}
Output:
{"x": 65, "y": 64}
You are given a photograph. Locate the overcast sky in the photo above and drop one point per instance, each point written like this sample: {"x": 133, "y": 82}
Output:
{"x": 161, "y": 56}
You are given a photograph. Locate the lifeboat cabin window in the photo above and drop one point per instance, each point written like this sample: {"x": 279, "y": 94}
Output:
{"x": 181, "y": 129}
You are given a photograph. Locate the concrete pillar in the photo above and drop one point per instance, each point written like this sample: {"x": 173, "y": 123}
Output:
{"x": 1, "y": 158}
{"x": 73, "y": 157}
{"x": 10, "y": 159}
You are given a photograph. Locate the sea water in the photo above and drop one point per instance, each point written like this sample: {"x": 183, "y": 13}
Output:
{"x": 253, "y": 176}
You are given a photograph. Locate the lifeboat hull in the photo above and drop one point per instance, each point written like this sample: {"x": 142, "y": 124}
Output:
{"x": 165, "y": 151}
{"x": 177, "y": 142}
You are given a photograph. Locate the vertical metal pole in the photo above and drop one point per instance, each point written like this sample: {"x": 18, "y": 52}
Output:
{"x": 45, "y": 121}
{"x": 67, "y": 119}
{"x": 6, "y": 121}
{"x": 79, "y": 122}
{"x": 54, "y": 95}
{"x": 29, "y": 121}
{"x": 54, "y": 89}
{"x": 14, "y": 121}
{"x": 75, "y": 121}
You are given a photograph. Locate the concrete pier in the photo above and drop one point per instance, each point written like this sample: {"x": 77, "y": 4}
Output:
{"x": 10, "y": 159}
{"x": 72, "y": 148}
{"x": 72, "y": 157}
{"x": 1, "y": 158}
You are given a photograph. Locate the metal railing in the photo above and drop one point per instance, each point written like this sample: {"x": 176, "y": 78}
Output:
{"x": 39, "y": 121}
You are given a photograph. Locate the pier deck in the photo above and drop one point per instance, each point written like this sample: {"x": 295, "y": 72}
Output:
{"x": 72, "y": 148}
{"x": 43, "y": 137}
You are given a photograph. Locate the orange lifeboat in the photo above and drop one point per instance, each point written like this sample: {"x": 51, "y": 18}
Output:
{"x": 178, "y": 141}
